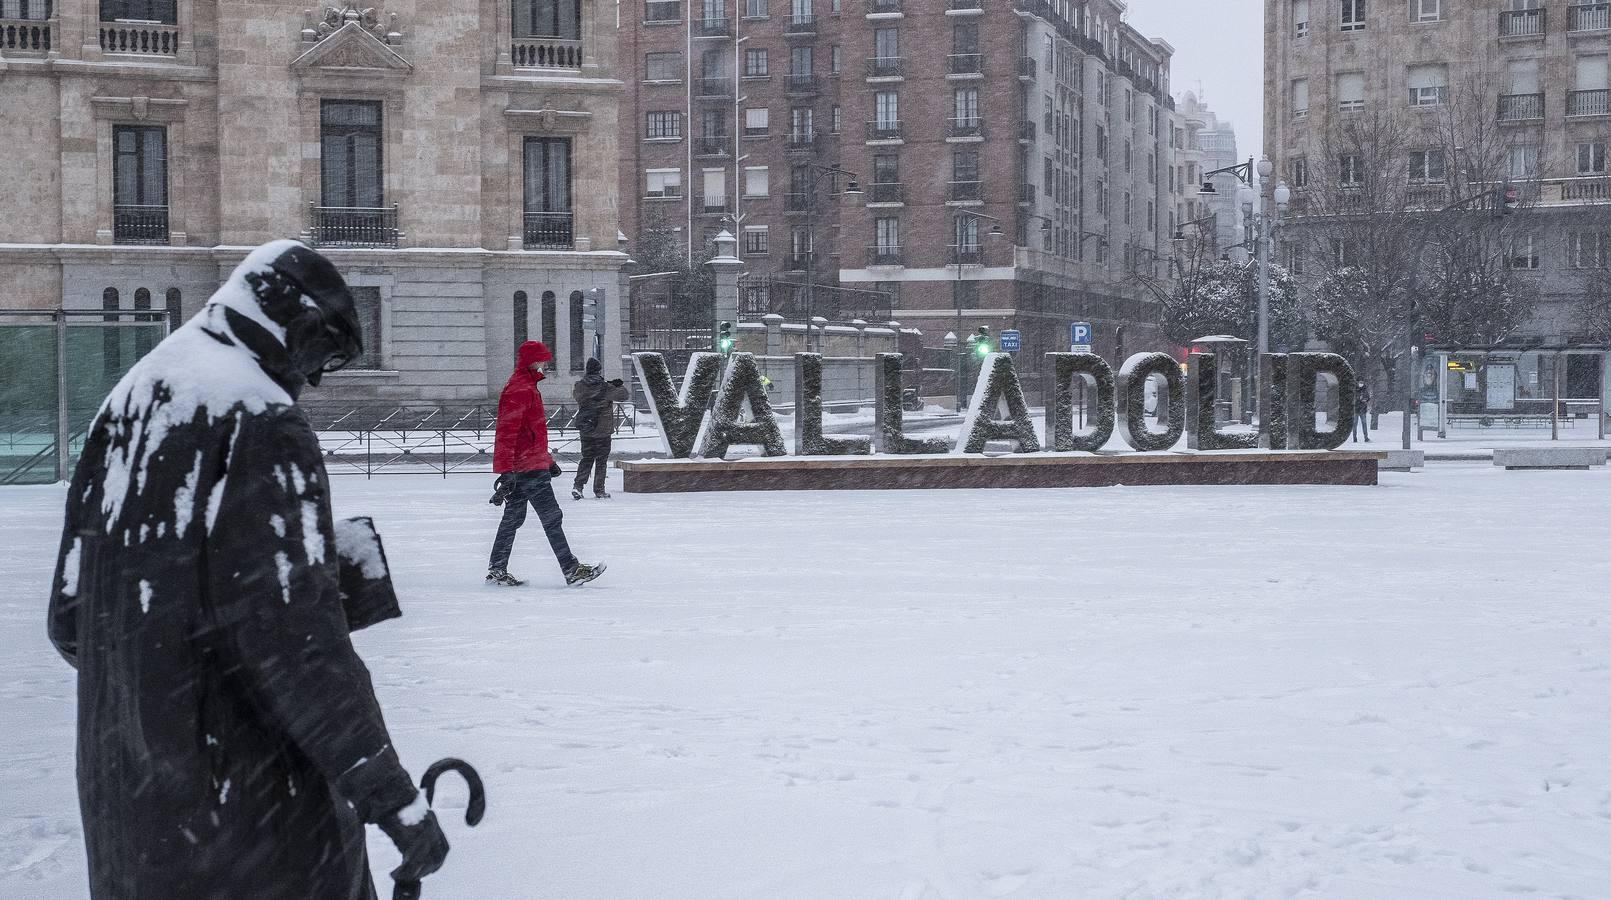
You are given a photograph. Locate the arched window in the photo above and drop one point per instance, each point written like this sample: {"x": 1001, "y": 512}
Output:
{"x": 550, "y": 322}
{"x": 578, "y": 339}
{"x": 109, "y": 300}
{"x": 144, "y": 336}
{"x": 174, "y": 307}
{"x": 522, "y": 310}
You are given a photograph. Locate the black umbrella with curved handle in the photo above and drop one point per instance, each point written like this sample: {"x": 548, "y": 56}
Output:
{"x": 410, "y": 889}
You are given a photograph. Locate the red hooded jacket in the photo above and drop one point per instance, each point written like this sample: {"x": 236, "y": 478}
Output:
{"x": 521, "y": 444}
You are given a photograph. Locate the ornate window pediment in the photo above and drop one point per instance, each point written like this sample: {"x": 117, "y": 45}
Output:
{"x": 351, "y": 39}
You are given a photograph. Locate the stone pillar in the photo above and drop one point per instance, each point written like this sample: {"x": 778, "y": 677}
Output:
{"x": 726, "y": 267}
{"x": 774, "y": 334}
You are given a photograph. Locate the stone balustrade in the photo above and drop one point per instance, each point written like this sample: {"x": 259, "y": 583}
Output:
{"x": 142, "y": 38}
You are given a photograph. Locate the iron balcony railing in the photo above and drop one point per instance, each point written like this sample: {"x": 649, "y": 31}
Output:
{"x": 885, "y": 130}
{"x": 1589, "y": 17}
{"x": 802, "y": 83}
{"x": 1026, "y": 131}
{"x": 355, "y": 226}
{"x": 965, "y": 190}
{"x": 1521, "y": 23}
{"x": 967, "y": 126}
{"x": 713, "y": 145}
{"x": 545, "y": 53}
{"x": 801, "y": 23}
{"x": 883, "y": 6}
{"x": 662, "y": 11}
{"x": 797, "y": 262}
{"x": 802, "y": 140}
{"x": 1026, "y": 66}
{"x": 884, "y": 67}
{"x": 132, "y": 224}
{"x": 884, "y": 255}
{"x": 886, "y": 192}
{"x": 550, "y": 231}
{"x": 967, "y": 255}
{"x": 965, "y": 5}
{"x": 715, "y": 205}
{"x": 713, "y": 28}
{"x": 27, "y": 35}
{"x": 1520, "y": 107}
{"x": 714, "y": 88}
{"x": 797, "y": 201}
{"x": 1588, "y": 103}
{"x": 966, "y": 63}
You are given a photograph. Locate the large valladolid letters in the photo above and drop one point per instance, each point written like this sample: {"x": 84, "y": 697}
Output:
{"x": 705, "y": 418}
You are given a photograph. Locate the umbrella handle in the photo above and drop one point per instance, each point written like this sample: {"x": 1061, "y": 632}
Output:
{"x": 410, "y": 889}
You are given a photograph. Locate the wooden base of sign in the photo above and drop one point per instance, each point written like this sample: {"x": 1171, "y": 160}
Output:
{"x": 1032, "y": 470}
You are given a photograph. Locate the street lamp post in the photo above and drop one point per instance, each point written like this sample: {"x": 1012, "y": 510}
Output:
{"x": 1261, "y": 227}
{"x": 956, "y": 292}
{"x": 819, "y": 172}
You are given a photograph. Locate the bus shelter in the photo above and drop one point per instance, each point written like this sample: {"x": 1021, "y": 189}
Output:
{"x": 1514, "y": 385}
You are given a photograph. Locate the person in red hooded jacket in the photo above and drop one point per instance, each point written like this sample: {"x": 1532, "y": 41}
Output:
{"x": 526, "y": 470}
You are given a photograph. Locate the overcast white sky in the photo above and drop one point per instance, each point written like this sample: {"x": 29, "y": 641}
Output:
{"x": 1219, "y": 52}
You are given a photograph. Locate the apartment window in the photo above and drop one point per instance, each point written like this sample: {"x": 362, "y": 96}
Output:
{"x": 755, "y": 240}
{"x": 1427, "y": 166}
{"x": 1049, "y": 178}
{"x": 886, "y": 43}
{"x": 1298, "y": 170}
{"x": 800, "y": 125}
{"x": 550, "y": 319}
{"x": 713, "y": 123}
{"x": 886, "y": 109}
{"x": 366, "y": 304}
{"x": 965, "y": 233}
{"x": 663, "y": 183}
{"x": 1353, "y": 15}
{"x": 350, "y": 161}
{"x": 664, "y": 126}
{"x": 1047, "y": 114}
{"x": 1127, "y": 205}
{"x": 1300, "y": 18}
{"x": 755, "y": 64}
{"x": 714, "y": 184}
{"x": 1524, "y": 161}
{"x": 800, "y": 241}
{"x": 1102, "y": 196}
{"x": 1429, "y": 85}
{"x": 756, "y": 121}
{"x": 1591, "y": 158}
{"x": 1350, "y": 170}
{"x": 1523, "y": 253}
{"x": 800, "y": 61}
{"x": 1152, "y": 167}
{"x": 1129, "y": 105}
{"x": 800, "y": 11}
{"x": 547, "y": 18}
{"x": 756, "y": 181}
{"x": 1351, "y": 90}
{"x": 1426, "y": 10}
{"x": 886, "y": 169}
{"x": 1152, "y": 216}
{"x": 835, "y": 118}
{"x": 164, "y": 11}
{"x": 887, "y": 234}
{"x": 140, "y": 184}
{"x": 1051, "y": 52}
{"x": 548, "y": 193}
{"x": 1522, "y": 77}
{"x": 1588, "y": 249}
{"x": 835, "y": 59}
{"x": 754, "y": 9}
{"x": 965, "y": 107}
{"x": 1300, "y": 97}
{"x": 662, "y": 66}
{"x": 1101, "y": 143}
{"x": 965, "y": 166}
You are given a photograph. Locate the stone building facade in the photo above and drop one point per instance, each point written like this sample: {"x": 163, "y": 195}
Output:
{"x": 1050, "y": 121}
{"x": 1540, "y": 70}
{"x": 455, "y": 159}
{"x": 1211, "y": 145}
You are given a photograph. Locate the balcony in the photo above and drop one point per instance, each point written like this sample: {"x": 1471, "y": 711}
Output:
{"x": 1592, "y": 189}
{"x": 1026, "y": 193}
{"x": 1027, "y": 67}
{"x": 966, "y": 64}
{"x": 966, "y": 7}
{"x": 1520, "y": 107}
{"x": 549, "y": 231}
{"x": 139, "y": 224}
{"x": 884, "y": 255}
{"x": 801, "y": 83}
{"x": 713, "y": 145}
{"x": 883, "y": 7}
{"x": 801, "y": 141}
{"x": 801, "y": 25}
{"x": 713, "y": 88}
{"x": 797, "y": 202}
{"x": 1588, "y": 17}
{"x": 658, "y": 12}
{"x": 970, "y": 127}
{"x": 27, "y": 35}
{"x": 713, "y": 28}
{"x": 886, "y": 130}
{"x": 354, "y": 226}
{"x": 1521, "y": 23}
{"x": 798, "y": 262}
{"x": 886, "y": 192}
{"x": 715, "y": 205}
{"x": 140, "y": 38}
{"x": 1588, "y": 103}
{"x": 964, "y": 191}
{"x": 1026, "y": 132}
{"x": 885, "y": 67}
{"x": 759, "y": 132}
{"x": 967, "y": 255}
{"x": 545, "y": 53}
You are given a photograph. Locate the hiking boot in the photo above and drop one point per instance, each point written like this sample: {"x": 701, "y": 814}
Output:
{"x": 576, "y": 493}
{"x": 601, "y": 495}
{"x": 502, "y": 578}
{"x": 583, "y": 573}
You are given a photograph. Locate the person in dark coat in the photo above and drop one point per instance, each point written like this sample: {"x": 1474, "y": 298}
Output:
{"x": 595, "y": 423}
{"x": 229, "y": 740}
{"x": 1361, "y": 410}
{"x": 526, "y": 471}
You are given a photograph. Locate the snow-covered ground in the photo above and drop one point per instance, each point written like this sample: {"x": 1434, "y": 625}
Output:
{"x": 1390, "y": 692}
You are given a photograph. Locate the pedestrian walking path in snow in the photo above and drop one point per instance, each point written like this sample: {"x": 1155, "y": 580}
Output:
{"x": 1389, "y": 692}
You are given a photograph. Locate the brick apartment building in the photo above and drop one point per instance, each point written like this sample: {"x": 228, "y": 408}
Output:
{"x": 1051, "y": 123}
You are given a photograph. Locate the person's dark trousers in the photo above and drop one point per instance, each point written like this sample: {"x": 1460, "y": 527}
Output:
{"x": 595, "y": 461}
{"x": 1361, "y": 423}
{"x": 537, "y": 489}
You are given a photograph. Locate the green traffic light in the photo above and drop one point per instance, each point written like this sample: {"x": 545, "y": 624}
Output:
{"x": 726, "y": 344}
{"x": 983, "y": 349}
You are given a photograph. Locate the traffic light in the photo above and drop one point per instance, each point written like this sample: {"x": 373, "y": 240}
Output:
{"x": 724, "y": 337}
{"x": 593, "y": 309}
{"x": 981, "y": 341}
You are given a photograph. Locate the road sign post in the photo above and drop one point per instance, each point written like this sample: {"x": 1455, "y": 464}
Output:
{"x": 1011, "y": 340}
{"x": 1079, "y": 337}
